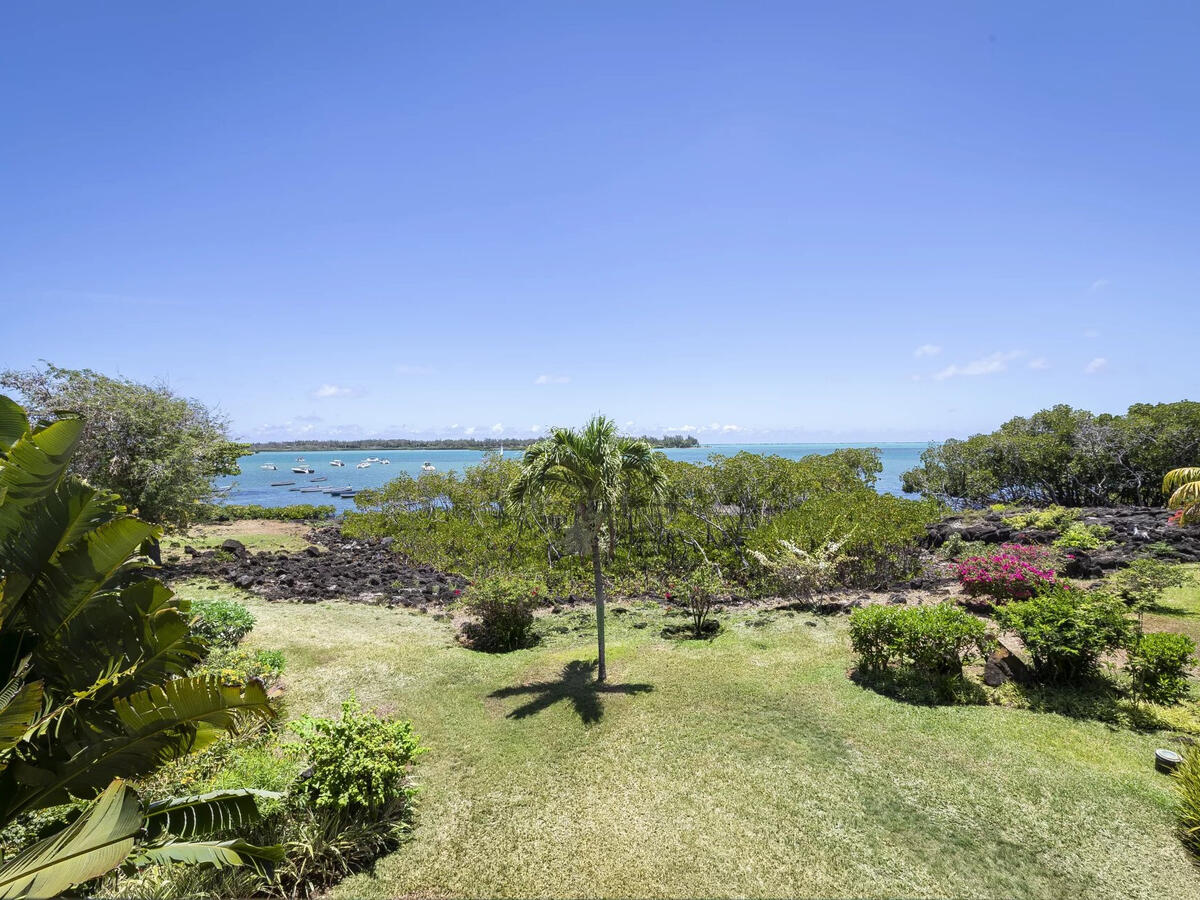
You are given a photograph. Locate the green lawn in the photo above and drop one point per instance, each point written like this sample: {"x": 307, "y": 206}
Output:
{"x": 748, "y": 766}
{"x": 1179, "y": 610}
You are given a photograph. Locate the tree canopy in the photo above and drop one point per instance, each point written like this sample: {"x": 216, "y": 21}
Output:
{"x": 160, "y": 452}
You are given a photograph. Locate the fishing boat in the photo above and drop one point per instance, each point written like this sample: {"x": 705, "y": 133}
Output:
{"x": 269, "y": 466}
{"x": 303, "y": 470}
{"x": 427, "y": 467}
{"x": 347, "y": 495}
{"x": 363, "y": 465}
{"x": 281, "y": 483}
{"x": 338, "y": 463}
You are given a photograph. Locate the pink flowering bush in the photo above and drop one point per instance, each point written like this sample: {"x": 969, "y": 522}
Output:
{"x": 1016, "y": 572}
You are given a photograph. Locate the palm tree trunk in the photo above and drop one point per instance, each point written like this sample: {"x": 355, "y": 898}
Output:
{"x": 598, "y": 572}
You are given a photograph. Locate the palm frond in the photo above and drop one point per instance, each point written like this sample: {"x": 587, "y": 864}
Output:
{"x": 187, "y": 817}
{"x": 220, "y": 854}
{"x": 1177, "y": 478}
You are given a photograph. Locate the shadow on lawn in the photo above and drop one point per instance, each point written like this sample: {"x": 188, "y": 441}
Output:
{"x": 577, "y": 684}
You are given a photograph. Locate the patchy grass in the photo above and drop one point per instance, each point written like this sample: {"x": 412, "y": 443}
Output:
{"x": 746, "y": 765}
{"x": 1179, "y": 610}
{"x": 256, "y": 534}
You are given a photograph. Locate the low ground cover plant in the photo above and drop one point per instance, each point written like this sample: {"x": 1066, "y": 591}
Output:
{"x": 1067, "y": 630}
{"x": 236, "y": 665}
{"x": 1015, "y": 572}
{"x": 1080, "y": 536}
{"x": 503, "y": 607}
{"x": 932, "y": 640}
{"x": 297, "y": 512}
{"x": 1158, "y": 666}
{"x": 1144, "y": 581}
{"x": 1052, "y": 518}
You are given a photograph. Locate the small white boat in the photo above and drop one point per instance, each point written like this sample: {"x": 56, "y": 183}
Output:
{"x": 299, "y": 459}
{"x": 372, "y": 459}
{"x": 427, "y": 467}
{"x": 271, "y": 467}
{"x": 338, "y": 463}
{"x": 363, "y": 465}
{"x": 385, "y": 462}
{"x": 303, "y": 470}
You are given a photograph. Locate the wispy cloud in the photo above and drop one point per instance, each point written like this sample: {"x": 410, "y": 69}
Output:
{"x": 497, "y": 428}
{"x": 986, "y": 365}
{"x": 927, "y": 350}
{"x": 551, "y": 379}
{"x": 328, "y": 391}
{"x": 469, "y": 430}
{"x": 1039, "y": 362}
{"x": 1099, "y": 364}
{"x": 404, "y": 369}
{"x": 1098, "y": 285}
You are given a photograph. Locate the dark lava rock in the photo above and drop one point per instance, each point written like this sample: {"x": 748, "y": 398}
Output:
{"x": 312, "y": 550}
{"x": 237, "y": 548}
{"x": 1004, "y": 665}
{"x": 190, "y": 550}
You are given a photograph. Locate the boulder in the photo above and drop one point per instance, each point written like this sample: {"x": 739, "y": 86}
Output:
{"x": 1004, "y": 665}
{"x": 237, "y": 548}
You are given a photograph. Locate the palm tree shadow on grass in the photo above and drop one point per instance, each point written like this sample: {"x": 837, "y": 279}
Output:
{"x": 577, "y": 684}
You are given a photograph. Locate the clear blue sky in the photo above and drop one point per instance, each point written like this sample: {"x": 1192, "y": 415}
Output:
{"x": 773, "y": 220}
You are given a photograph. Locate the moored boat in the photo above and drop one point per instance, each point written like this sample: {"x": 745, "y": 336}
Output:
{"x": 338, "y": 463}
{"x": 427, "y": 467}
{"x": 303, "y": 470}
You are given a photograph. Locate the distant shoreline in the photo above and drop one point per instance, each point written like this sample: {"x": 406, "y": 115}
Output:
{"x": 481, "y": 444}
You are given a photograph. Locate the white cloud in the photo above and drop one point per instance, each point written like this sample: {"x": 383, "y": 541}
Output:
{"x": 1039, "y": 363}
{"x": 987, "y": 365}
{"x": 327, "y": 391}
{"x": 683, "y": 428}
{"x": 1096, "y": 365}
{"x": 628, "y": 423}
{"x": 927, "y": 350}
{"x": 404, "y": 369}
{"x": 470, "y": 430}
{"x": 535, "y": 428}
{"x": 551, "y": 379}
{"x": 1098, "y": 285}
{"x": 497, "y": 428}
{"x": 731, "y": 427}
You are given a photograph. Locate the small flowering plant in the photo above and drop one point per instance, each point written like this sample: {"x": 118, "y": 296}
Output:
{"x": 1016, "y": 572}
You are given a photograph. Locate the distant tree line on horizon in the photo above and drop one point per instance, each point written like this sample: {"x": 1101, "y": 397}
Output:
{"x": 481, "y": 444}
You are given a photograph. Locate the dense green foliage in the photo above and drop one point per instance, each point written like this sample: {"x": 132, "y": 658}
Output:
{"x": 1159, "y": 664}
{"x": 297, "y": 512}
{"x": 1187, "y": 780}
{"x": 221, "y": 622}
{"x": 483, "y": 445}
{"x": 503, "y": 608}
{"x": 1067, "y": 630}
{"x": 1144, "y": 581}
{"x": 931, "y": 640}
{"x": 723, "y": 512}
{"x": 1080, "y": 536}
{"x": 157, "y": 451}
{"x": 1066, "y": 456}
{"x": 94, "y": 656}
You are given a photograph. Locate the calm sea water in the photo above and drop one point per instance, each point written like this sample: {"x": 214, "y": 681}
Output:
{"x": 254, "y": 484}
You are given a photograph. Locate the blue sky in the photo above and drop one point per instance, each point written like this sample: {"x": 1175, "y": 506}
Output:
{"x": 858, "y": 221}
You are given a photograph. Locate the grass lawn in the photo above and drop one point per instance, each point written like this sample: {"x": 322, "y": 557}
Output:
{"x": 256, "y": 535}
{"x": 1179, "y": 610}
{"x": 745, "y": 766}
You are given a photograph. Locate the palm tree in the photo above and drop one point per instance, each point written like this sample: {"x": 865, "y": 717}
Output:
{"x": 591, "y": 468}
{"x": 1184, "y": 487}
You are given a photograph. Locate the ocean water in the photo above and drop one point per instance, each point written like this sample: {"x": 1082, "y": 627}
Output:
{"x": 253, "y": 485}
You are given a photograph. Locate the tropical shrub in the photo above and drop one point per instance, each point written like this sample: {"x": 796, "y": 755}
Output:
{"x": 1052, "y": 518}
{"x": 1079, "y": 536}
{"x": 1016, "y": 572}
{"x": 235, "y": 665}
{"x": 699, "y": 593}
{"x": 100, "y": 692}
{"x": 1066, "y": 631}
{"x": 297, "y": 512}
{"x": 1159, "y": 664}
{"x": 798, "y": 572}
{"x": 503, "y": 606}
{"x": 221, "y": 622}
{"x": 932, "y": 640}
{"x": 1144, "y": 581}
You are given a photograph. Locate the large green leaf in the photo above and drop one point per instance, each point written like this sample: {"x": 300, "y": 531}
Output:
{"x": 95, "y": 843}
{"x": 186, "y": 817}
{"x": 13, "y": 422}
{"x": 19, "y": 708}
{"x": 216, "y": 853}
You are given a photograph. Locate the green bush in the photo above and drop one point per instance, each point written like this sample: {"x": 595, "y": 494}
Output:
{"x": 235, "y": 665}
{"x": 503, "y": 606}
{"x": 220, "y": 622}
{"x": 359, "y": 763}
{"x": 1078, "y": 536}
{"x": 698, "y": 593}
{"x": 1159, "y": 664}
{"x": 299, "y": 512}
{"x": 1066, "y": 630}
{"x": 1052, "y": 518}
{"x": 1143, "y": 583}
{"x": 933, "y": 640}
